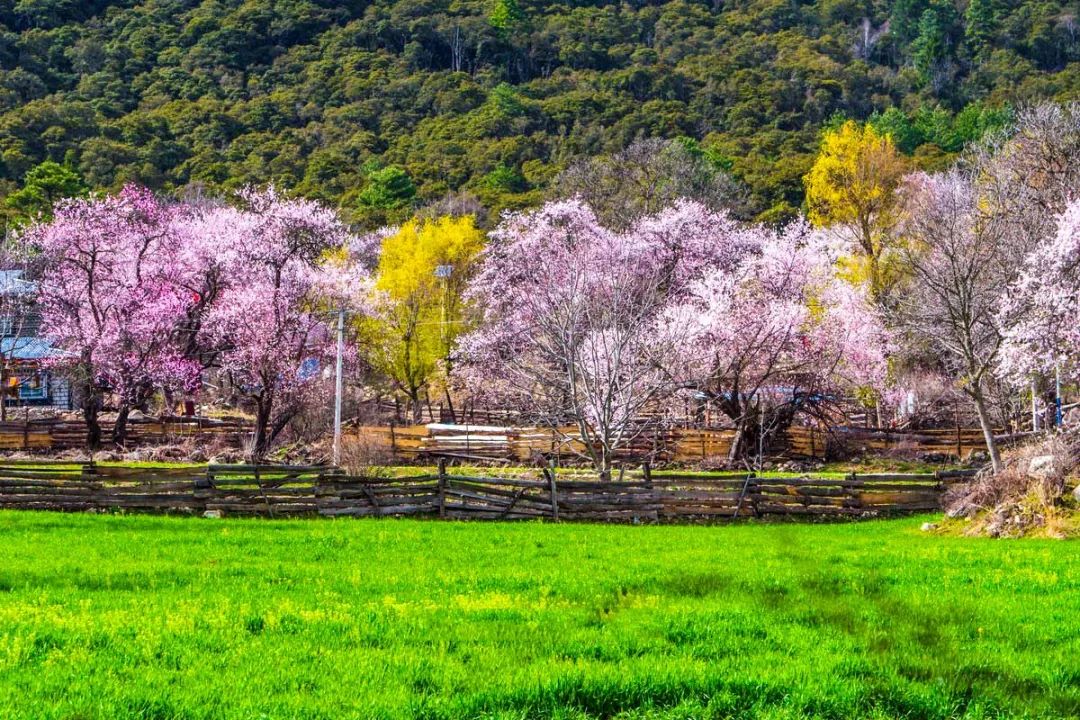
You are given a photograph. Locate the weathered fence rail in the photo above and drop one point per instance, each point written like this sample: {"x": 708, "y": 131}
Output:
{"x": 678, "y": 445}
{"x": 285, "y": 491}
{"x": 54, "y": 434}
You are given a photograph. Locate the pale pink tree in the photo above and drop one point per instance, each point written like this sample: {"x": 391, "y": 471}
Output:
{"x": 268, "y": 326}
{"x": 111, "y": 303}
{"x": 961, "y": 256}
{"x": 1043, "y": 307}
{"x": 574, "y": 326}
{"x": 775, "y": 333}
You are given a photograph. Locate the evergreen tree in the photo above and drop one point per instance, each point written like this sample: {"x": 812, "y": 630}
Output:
{"x": 389, "y": 188}
{"x": 506, "y": 16}
{"x": 933, "y": 46}
{"x": 981, "y": 21}
{"x": 46, "y": 184}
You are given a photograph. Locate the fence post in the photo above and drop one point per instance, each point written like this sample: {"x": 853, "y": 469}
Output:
{"x": 742, "y": 495}
{"x": 753, "y": 491}
{"x": 959, "y": 442}
{"x": 852, "y": 491}
{"x": 550, "y": 472}
{"x": 442, "y": 487}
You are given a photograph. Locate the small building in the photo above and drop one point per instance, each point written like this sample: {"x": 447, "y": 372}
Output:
{"x": 24, "y": 373}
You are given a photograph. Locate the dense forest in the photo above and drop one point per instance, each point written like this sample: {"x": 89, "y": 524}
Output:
{"x": 380, "y": 107}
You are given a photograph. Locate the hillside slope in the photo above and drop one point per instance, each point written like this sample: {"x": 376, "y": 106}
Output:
{"x": 495, "y": 96}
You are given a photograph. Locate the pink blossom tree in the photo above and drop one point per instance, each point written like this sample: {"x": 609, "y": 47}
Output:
{"x": 142, "y": 295}
{"x": 267, "y": 328}
{"x": 1044, "y": 307}
{"x": 961, "y": 256}
{"x": 575, "y": 326}
{"x": 775, "y": 332}
{"x": 111, "y": 302}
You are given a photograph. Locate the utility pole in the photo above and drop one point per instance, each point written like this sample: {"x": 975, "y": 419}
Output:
{"x": 1058, "y": 418}
{"x": 1034, "y": 406}
{"x": 338, "y": 383}
{"x": 444, "y": 272}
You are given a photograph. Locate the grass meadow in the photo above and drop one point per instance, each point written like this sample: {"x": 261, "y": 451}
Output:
{"x": 184, "y": 619}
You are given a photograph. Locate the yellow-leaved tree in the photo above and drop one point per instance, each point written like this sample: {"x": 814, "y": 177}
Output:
{"x": 852, "y": 187}
{"x": 420, "y": 309}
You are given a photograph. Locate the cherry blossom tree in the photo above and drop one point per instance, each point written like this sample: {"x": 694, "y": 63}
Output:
{"x": 775, "y": 332}
{"x": 143, "y": 295}
{"x": 268, "y": 326}
{"x": 1044, "y": 304}
{"x": 111, "y": 302}
{"x": 575, "y": 324}
{"x": 961, "y": 257}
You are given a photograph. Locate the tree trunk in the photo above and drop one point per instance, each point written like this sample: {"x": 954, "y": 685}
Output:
{"x": 416, "y": 406}
{"x": 119, "y": 432}
{"x": 986, "y": 423}
{"x": 261, "y": 440}
{"x": 91, "y": 408}
{"x": 450, "y": 405}
{"x": 606, "y": 464}
{"x": 736, "y": 442}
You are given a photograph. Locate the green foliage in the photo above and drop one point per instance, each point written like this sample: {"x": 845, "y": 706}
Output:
{"x": 506, "y": 179}
{"x": 981, "y": 20}
{"x": 389, "y": 188}
{"x": 506, "y": 16}
{"x": 42, "y": 188}
{"x": 305, "y": 93}
{"x": 932, "y": 48}
{"x": 936, "y": 126}
{"x": 157, "y": 617}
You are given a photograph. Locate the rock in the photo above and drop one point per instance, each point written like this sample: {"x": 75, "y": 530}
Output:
{"x": 136, "y": 415}
{"x": 976, "y": 458}
{"x": 212, "y": 514}
{"x": 1041, "y": 466}
{"x": 929, "y": 527}
{"x": 1076, "y": 493}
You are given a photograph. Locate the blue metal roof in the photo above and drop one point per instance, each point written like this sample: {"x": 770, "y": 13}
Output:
{"x": 13, "y": 282}
{"x": 28, "y": 348}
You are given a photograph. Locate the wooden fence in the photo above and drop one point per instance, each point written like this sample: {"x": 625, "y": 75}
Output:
{"x": 519, "y": 444}
{"x": 955, "y": 442}
{"x": 55, "y": 434}
{"x": 676, "y": 445}
{"x": 283, "y": 491}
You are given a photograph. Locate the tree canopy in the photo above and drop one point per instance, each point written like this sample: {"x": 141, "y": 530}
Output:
{"x": 384, "y": 106}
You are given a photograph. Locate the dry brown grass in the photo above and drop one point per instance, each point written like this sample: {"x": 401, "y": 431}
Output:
{"x": 363, "y": 453}
{"x": 1029, "y": 496}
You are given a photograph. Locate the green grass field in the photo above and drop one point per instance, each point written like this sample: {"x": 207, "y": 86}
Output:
{"x": 172, "y": 618}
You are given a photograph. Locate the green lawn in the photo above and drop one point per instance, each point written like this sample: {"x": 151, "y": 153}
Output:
{"x": 170, "y": 618}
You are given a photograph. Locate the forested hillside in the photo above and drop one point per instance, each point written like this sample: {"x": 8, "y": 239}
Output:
{"x": 382, "y": 106}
